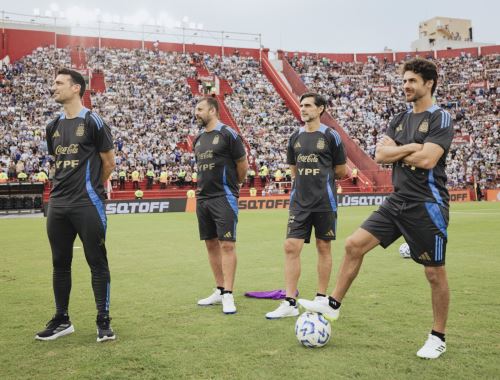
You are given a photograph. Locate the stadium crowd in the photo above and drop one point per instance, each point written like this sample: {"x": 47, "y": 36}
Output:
{"x": 363, "y": 97}
{"x": 149, "y": 105}
{"x": 25, "y": 110}
{"x": 264, "y": 119}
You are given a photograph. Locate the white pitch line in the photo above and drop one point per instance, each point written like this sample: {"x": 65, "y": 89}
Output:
{"x": 489, "y": 209}
{"x": 474, "y": 213}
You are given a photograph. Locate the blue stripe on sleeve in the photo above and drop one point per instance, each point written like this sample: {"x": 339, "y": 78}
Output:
{"x": 97, "y": 120}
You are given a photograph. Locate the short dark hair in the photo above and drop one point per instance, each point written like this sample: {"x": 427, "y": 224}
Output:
{"x": 212, "y": 103}
{"x": 76, "y": 78}
{"x": 319, "y": 100}
{"x": 423, "y": 67}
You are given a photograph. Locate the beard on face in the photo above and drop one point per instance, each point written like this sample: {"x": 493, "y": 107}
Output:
{"x": 200, "y": 121}
{"x": 414, "y": 97}
{"x": 411, "y": 97}
{"x": 307, "y": 118}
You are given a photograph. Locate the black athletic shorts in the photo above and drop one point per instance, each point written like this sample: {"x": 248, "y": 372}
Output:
{"x": 217, "y": 218}
{"x": 422, "y": 224}
{"x": 300, "y": 224}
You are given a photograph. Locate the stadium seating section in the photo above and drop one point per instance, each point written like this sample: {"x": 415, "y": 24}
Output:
{"x": 148, "y": 98}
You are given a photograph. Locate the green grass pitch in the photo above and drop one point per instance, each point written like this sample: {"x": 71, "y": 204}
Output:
{"x": 159, "y": 269}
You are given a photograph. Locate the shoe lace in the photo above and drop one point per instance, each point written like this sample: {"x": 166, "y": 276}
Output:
{"x": 103, "y": 322}
{"x": 434, "y": 341}
{"x": 56, "y": 321}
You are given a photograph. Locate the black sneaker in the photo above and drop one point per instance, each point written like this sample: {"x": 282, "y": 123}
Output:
{"x": 104, "y": 330}
{"x": 57, "y": 327}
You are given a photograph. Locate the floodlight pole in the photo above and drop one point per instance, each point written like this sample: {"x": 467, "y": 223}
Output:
{"x": 142, "y": 37}
{"x": 99, "y": 33}
{"x": 260, "y": 47}
{"x": 4, "y": 47}
{"x": 183, "y": 40}
{"x": 222, "y": 42}
{"x": 55, "y": 33}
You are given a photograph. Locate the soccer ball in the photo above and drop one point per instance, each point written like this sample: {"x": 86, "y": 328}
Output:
{"x": 313, "y": 330}
{"x": 404, "y": 251}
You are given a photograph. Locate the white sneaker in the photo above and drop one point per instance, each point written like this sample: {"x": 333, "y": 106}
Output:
{"x": 320, "y": 305}
{"x": 319, "y": 298}
{"x": 432, "y": 348}
{"x": 213, "y": 299}
{"x": 228, "y": 306}
{"x": 284, "y": 310}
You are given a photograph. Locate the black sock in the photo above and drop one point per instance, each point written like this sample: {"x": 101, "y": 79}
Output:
{"x": 438, "y": 334}
{"x": 291, "y": 301}
{"x": 221, "y": 289}
{"x": 320, "y": 295}
{"x": 225, "y": 291}
{"x": 333, "y": 303}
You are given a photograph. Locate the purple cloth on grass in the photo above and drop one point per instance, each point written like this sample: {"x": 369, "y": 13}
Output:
{"x": 277, "y": 294}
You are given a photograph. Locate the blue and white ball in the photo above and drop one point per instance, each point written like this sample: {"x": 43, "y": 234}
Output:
{"x": 313, "y": 330}
{"x": 404, "y": 251}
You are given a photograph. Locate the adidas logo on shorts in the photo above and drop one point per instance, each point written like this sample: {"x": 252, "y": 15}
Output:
{"x": 424, "y": 257}
{"x": 228, "y": 234}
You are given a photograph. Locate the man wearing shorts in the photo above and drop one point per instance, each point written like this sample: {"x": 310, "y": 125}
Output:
{"x": 316, "y": 157}
{"x": 416, "y": 143}
{"x": 221, "y": 166}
